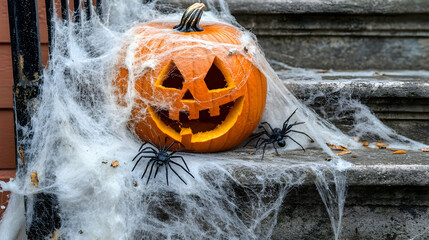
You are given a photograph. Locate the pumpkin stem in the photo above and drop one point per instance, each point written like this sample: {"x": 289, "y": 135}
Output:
{"x": 191, "y": 18}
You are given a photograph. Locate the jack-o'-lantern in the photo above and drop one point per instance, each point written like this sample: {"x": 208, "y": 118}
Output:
{"x": 196, "y": 85}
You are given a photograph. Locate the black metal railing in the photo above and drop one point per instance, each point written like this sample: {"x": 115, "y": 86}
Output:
{"x": 27, "y": 79}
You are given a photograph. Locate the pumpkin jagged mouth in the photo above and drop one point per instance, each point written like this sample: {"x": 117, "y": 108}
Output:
{"x": 204, "y": 128}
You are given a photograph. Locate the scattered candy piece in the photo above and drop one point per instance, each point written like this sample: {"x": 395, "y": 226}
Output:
{"x": 425, "y": 149}
{"x": 381, "y": 145}
{"x": 343, "y": 153}
{"x": 34, "y": 179}
{"x": 365, "y": 143}
{"x": 392, "y": 149}
{"x": 354, "y": 156}
{"x": 399, "y": 152}
{"x": 114, "y": 164}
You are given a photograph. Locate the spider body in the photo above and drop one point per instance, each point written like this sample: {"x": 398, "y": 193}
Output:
{"x": 276, "y": 135}
{"x": 158, "y": 157}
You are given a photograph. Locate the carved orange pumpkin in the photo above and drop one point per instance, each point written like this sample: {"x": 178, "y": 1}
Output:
{"x": 199, "y": 91}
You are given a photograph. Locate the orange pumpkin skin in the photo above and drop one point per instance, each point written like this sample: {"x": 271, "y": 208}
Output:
{"x": 236, "y": 104}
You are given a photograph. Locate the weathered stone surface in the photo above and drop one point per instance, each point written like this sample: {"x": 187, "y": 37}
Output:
{"x": 341, "y": 41}
{"x": 348, "y": 53}
{"x": 387, "y": 197}
{"x": 399, "y": 99}
{"x": 338, "y": 34}
{"x": 321, "y": 6}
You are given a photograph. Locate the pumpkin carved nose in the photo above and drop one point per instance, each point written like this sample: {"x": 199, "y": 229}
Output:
{"x": 188, "y": 96}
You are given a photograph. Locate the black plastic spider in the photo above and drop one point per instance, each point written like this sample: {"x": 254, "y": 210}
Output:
{"x": 277, "y": 135}
{"x": 159, "y": 156}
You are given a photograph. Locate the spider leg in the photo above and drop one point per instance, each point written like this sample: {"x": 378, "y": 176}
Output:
{"x": 182, "y": 160}
{"x": 253, "y": 137}
{"x": 176, "y": 173}
{"x": 263, "y": 151}
{"x": 275, "y": 148}
{"x": 148, "y": 147}
{"x": 147, "y": 166}
{"x": 296, "y": 142}
{"x": 188, "y": 172}
{"x": 290, "y": 126}
{"x": 139, "y": 161}
{"x": 301, "y": 133}
{"x": 170, "y": 146}
{"x": 166, "y": 174}
{"x": 265, "y": 130}
{"x": 160, "y": 144}
{"x": 264, "y": 140}
{"x": 257, "y": 143}
{"x": 269, "y": 125}
{"x": 287, "y": 120}
{"x": 138, "y": 154}
{"x": 150, "y": 172}
{"x": 156, "y": 171}
{"x": 165, "y": 143}
{"x": 180, "y": 144}
{"x": 142, "y": 146}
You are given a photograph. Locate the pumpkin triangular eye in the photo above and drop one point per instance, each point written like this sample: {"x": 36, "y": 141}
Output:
{"x": 174, "y": 78}
{"x": 215, "y": 79}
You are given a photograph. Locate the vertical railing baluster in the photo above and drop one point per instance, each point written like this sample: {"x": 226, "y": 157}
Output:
{"x": 27, "y": 78}
{"x": 99, "y": 9}
{"x": 88, "y": 9}
{"x": 77, "y": 11}
{"x": 49, "y": 15}
{"x": 65, "y": 10}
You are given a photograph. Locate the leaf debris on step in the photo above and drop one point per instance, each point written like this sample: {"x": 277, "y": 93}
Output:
{"x": 34, "y": 179}
{"x": 21, "y": 155}
{"x": 341, "y": 148}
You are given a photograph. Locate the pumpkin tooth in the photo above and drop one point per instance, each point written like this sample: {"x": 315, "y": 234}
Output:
{"x": 186, "y": 136}
{"x": 194, "y": 115}
{"x": 214, "y": 111}
{"x": 175, "y": 115}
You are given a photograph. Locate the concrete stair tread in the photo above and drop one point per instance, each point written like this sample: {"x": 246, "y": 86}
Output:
{"x": 371, "y": 167}
{"x": 362, "y": 84}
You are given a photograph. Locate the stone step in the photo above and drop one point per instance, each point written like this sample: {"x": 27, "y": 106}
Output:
{"x": 346, "y": 34}
{"x": 398, "y": 98}
{"x": 387, "y": 195}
